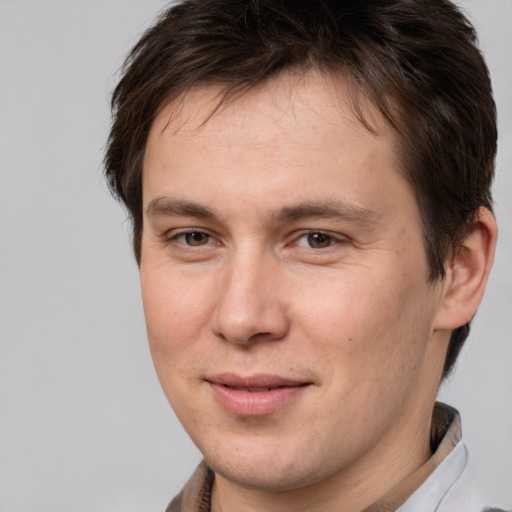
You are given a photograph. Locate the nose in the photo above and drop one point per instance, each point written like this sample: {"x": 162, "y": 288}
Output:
{"x": 249, "y": 306}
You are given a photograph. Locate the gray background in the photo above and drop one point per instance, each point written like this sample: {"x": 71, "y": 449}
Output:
{"x": 84, "y": 426}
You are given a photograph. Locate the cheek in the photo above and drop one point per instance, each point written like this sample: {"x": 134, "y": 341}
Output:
{"x": 368, "y": 326}
{"x": 176, "y": 315}
{"x": 175, "y": 319}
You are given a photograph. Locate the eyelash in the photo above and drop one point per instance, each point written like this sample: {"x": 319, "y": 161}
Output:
{"x": 322, "y": 237}
{"x": 183, "y": 234}
{"x": 331, "y": 239}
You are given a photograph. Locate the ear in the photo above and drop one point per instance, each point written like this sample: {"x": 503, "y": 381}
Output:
{"x": 467, "y": 272}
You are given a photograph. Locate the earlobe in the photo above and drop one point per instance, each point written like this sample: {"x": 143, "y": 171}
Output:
{"x": 467, "y": 272}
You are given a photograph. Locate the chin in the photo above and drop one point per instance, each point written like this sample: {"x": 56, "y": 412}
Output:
{"x": 268, "y": 470}
{"x": 260, "y": 477}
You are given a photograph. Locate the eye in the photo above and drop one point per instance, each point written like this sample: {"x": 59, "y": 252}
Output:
{"x": 194, "y": 238}
{"x": 316, "y": 240}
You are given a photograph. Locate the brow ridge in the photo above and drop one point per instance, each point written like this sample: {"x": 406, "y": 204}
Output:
{"x": 331, "y": 208}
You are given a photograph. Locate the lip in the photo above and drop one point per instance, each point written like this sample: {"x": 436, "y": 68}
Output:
{"x": 257, "y": 395}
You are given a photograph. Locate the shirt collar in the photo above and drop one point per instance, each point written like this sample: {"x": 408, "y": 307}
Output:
{"x": 445, "y": 434}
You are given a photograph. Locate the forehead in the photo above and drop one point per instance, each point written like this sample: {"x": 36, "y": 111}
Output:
{"x": 310, "y": 112}
{"x": 297, "y": 131}
{"x": 313, "y": 97}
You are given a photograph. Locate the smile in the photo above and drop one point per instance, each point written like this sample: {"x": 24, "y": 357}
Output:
{"x": 254, "y": 396}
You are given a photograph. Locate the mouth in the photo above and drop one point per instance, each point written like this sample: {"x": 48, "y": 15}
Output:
{"x": 259, "y": 395}
{"x": 250, "y": 390}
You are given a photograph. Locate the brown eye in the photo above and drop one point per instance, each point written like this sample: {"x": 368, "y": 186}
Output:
{"x": 196, "y": 238}
{"x": 319, "y": 240}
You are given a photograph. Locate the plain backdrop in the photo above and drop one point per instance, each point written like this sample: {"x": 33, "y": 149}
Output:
{"x": 84, "y": 426}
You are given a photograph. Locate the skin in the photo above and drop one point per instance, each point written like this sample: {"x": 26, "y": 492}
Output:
{"x": 269, "y": 174}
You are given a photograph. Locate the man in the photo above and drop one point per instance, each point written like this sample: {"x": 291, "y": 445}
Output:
{"x": 309, "y": 185}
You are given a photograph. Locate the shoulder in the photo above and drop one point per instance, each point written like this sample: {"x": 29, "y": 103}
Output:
{"x": 175, "y": 505}
{"x": 450, "y": 488}
{"x": 465, "y": 496}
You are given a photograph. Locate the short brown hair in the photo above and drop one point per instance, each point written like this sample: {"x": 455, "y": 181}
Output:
{"x": 415, "y": 60}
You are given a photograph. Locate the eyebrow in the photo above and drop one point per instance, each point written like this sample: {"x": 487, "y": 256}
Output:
{"x": 328, "y": 209}
{"x": 175, "y": 207}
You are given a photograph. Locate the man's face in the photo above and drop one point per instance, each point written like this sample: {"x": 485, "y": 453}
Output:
{"x": 284, "y": 281}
